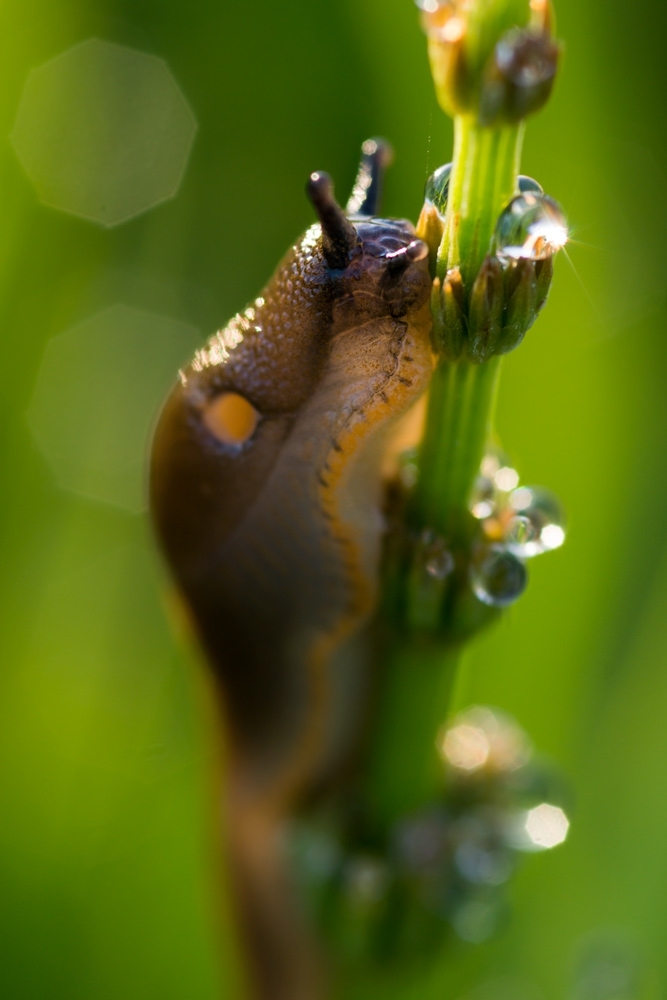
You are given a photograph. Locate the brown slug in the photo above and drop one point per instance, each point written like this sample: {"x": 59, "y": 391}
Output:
{"x": 266, "y": 495}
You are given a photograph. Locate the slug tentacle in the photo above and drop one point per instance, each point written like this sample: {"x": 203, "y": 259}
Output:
{"x": 376, "y": 156}
{"x": 339, "y": 237}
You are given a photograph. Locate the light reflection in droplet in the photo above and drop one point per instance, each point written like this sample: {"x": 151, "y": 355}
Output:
{"x": 552, "y": 536}
{"x": 543, "y": 511}
{"x": 521, "y": 498}
{"x": 482, "y": 737}
{"x": 506, "y": 479}
{"x": 532, "y": 226}
{"x": 482, "y": 509}
{"x": 438, "y": 560}
{"x": 520, "y": 532}
{"x": 546, "y": 826}
{"x": 466, "y": 747}
{"x": 490, "y": 465}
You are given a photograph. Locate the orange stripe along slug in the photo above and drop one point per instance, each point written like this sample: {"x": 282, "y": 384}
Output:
{"x": 266, "y": 493}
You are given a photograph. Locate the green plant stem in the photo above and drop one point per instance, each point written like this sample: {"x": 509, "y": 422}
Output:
{"x": 405, "y": 769}
{"x": 462, "y": 395}
{"x": 483, "y": 180}
{"x": 419, "y": 668}
{"x": 458, "y": 426}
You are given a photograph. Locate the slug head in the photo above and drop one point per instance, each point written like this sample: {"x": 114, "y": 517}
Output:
{"x": 225, "y": 425}
{"x": 377, "y": 267}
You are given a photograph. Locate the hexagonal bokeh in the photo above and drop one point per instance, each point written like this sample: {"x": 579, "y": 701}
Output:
{"x": 103, "y": 132}
{"x": 98, "y": 391}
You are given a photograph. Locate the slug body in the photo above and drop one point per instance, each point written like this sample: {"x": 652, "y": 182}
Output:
{"x": 265, "y": 490}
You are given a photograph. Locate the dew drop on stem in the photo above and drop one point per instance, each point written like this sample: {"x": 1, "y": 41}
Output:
{"x": 436, "y": 191}
{"x": 498, "y": 577}
{"x": 539, "y": 522}
{"x": 532, "y": 227}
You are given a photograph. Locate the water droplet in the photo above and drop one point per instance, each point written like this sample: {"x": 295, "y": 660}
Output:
{"x": 532, "y": 226}
{"x": 527, "y": 184}
{"x": 437, "y": 188}
{"x": 539, "y": 524}
{"x": 499, "y": 578}
{"x": 432, "y": 556}
{"x": 432, "y": 564}
{"x": 438, "y": 560}
{"x": 521, "y": 531}
{"x": 483, "y": 498}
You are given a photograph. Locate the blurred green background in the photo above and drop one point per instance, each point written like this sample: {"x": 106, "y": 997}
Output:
{"x": 105, "y": 828}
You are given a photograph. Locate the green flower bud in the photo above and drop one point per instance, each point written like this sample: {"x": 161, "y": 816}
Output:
{"x": 542, "y": 16}
{"x": 430, "y": 228}
{"x": 496, "y": 61}
{"x": 544, "y": 272}
{"x": 520, "y": 77}
{"x": 485, "y": 310}
{"x": 520, "y": 304}
{"x": 453, "y": 306}
{"x": 445, "y": 30}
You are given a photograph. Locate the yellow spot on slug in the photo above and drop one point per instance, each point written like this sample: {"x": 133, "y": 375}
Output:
{"x": 231, "y": 418}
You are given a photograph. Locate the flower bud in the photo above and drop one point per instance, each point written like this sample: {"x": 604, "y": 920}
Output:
{"x": 485, "y": 310}
{"x": 541, "y": 16}
{"x": 430, "y": 228}
{"x": 453, "y": 305}
{"x": 520, "y": 77}
{"x": 520, "y": 304}
{"x": 447, "y": 307}
{"x": 445, "y": 30}
{"x": 544, "y": 272}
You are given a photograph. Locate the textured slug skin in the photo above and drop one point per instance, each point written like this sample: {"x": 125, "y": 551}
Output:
{"x": 274, "y": 541}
